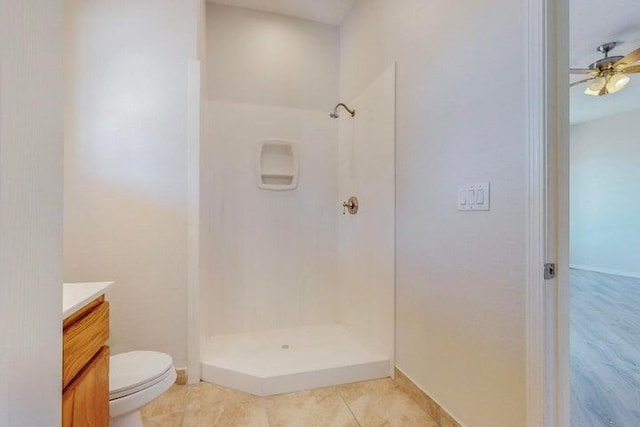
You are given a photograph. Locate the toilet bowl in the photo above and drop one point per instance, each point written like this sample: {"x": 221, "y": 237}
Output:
{"x": 135, "y": 379}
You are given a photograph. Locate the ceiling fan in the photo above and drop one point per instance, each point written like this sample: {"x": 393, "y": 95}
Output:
{"x": 609, "y": 74}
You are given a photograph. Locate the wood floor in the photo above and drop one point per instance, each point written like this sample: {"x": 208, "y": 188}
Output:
{"x": 605, "y": 350}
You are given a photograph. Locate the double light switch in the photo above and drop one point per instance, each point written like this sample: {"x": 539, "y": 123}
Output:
{"x": 474, "y": 197}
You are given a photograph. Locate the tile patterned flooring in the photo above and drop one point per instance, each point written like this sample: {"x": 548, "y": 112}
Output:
{"x": 605, "y": 379}
{"x": 605, "y": 350}
{"x": 377, "y": 403}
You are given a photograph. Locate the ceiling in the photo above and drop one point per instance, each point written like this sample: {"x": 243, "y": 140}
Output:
{"x": 326, "y": 11}
{"x": 594, "y": 22}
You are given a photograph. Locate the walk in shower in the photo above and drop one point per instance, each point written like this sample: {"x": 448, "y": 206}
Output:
{"x": 297, "y": 290}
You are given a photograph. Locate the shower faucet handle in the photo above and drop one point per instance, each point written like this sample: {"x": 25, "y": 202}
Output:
{"x": 350, "y": 205}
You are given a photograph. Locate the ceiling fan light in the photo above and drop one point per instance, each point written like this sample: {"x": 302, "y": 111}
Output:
{"x": 617, "y": 82}
{"x": 594, "y": 88}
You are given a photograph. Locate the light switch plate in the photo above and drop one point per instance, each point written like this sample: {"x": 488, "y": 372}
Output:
{"x": 474, "y": 197}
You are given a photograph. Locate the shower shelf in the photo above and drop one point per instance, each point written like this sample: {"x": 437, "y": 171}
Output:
{"x": 277, "y": 175}
{"x": 277, "y": 165}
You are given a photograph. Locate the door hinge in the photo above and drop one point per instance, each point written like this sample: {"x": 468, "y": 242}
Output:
{"x": 549, "y": 271}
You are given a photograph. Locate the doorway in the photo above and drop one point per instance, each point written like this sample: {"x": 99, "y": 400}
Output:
{"x": 603, "y": 232}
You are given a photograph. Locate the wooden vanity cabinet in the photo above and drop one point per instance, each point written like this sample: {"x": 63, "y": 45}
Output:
{"x": 85, "y": 368}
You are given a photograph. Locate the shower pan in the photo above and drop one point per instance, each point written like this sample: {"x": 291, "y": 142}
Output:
{"x": 284, "y": 360}
{"x": 294, "y": 295}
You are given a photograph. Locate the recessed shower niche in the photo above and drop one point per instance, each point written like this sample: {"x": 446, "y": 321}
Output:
{"x": 277, "y": 165}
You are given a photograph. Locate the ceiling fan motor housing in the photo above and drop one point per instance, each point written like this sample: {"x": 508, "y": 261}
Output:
{"x": 605, "y": 63}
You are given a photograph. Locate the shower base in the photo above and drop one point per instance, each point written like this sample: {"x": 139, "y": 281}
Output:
{"x": 287, "y": 360}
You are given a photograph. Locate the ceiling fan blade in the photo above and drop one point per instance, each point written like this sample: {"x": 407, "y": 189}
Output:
{"x": 582, "y": 71}
{"x": 581, "y": 81}
{"x": 631, "y": 58}
{"x": 632, "y": 69}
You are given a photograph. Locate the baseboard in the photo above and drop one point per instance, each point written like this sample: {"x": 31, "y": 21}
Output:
{"x": 605, "y": 271}
{"x": 433, "y": 408}
{"x": 182, "y": 376}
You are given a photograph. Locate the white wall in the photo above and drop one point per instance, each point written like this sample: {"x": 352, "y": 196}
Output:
{"x": 30, "y": 212}
{"x": 268, "y": 257}
{"x": 268, "y": 59}
{"x": 605, "y": 177}
{"x": 461, "y": 111}
{"x": 366, "y": 243}
{"x": 126, "y": 205}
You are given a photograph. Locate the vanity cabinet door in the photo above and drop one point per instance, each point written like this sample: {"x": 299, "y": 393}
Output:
{"x": 85, "y": 402}
{"x": 83, "y": 337}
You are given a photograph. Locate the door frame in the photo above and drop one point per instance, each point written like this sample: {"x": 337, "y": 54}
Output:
{"x": 547, "y": 312}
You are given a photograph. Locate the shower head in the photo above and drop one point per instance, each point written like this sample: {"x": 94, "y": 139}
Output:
{"x": 334, "y": 113}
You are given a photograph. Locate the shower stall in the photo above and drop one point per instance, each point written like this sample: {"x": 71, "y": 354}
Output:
{"x": 296, "y": 284}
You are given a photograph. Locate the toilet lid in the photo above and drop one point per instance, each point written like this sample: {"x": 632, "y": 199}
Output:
{"x": 132, "y": 371}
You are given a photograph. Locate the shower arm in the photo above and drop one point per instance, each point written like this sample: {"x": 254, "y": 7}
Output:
{"x": 350, "y": 111}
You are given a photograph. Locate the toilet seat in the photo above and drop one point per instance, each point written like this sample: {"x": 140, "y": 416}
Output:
{"x": 136, "y": 378}
{"x": 135, "y": 371}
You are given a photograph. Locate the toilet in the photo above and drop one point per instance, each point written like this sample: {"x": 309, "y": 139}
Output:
{"x": 135, "y": 379}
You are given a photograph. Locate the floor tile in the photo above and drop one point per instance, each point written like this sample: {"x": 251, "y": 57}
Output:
{"x": 244, "y": 414}
{"x": 209, "y": 405}
{"x": 229, "y": 414}
{"x": 168, "y": 420}
{"x": 383, "y": 403}
{"x": 318, "y": 408}
{"x": 205, "y": 395}
{"x": 378, "y": 403}
{"x": 171, "y": 402}
{"x": 202, "y": 416}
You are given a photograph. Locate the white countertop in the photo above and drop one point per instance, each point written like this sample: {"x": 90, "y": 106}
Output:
{"x": 77, "y": 295}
